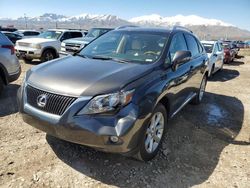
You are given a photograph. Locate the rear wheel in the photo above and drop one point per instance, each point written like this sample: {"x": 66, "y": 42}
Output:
{"x": 48, "y": 55}
{"x": 153, "y": 134}
{"x": 198, "y": 98}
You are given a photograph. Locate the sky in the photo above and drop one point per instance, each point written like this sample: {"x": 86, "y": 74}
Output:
{"x": 236, "y": 12}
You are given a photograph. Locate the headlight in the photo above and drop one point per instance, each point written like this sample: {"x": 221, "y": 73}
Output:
{"x": 107, "y": 103}
{"x": 62, "y": 44}
{"x": 37, "y": 46}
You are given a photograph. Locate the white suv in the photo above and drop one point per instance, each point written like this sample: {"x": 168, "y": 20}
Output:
{"x": 47, "y": 46}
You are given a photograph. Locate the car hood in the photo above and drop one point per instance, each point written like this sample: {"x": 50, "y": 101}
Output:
{"x": 36, "y": 40}
{"x": 77, "y": 76}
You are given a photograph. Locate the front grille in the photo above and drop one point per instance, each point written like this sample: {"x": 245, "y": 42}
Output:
{"x": 56, "y": 104}
{"x": 70, "y": 47}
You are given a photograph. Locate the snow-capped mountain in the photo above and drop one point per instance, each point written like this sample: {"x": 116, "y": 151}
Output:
{"x": 201, "y": 26}
{"x": 181, "y": 20}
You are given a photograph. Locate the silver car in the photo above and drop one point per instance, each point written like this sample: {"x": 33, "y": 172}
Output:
{"x": 215, "y": 54}
{"x": 10, "y": 68}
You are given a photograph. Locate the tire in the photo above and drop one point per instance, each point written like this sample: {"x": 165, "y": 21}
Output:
{"x": 1, "y": 85}
{"x": 48, "y": 55}
{"x": 212, "y": 71}
{"x": 148, "y": 146}
{"x": 198, "y": 98}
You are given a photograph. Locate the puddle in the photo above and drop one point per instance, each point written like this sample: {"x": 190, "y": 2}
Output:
{"x": 215, "y": 114}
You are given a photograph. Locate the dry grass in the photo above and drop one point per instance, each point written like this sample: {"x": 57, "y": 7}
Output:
{"x": 244, "y": 52}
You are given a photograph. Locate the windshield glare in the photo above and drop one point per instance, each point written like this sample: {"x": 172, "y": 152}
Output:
{"x": 50, "y": 34}
{"x": 96, "y": 32}
{"x": 208, "y": 48}
{"x": 129, "y": 46}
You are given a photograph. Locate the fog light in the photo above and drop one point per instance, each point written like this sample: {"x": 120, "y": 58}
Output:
{"x": 114, "y": 139}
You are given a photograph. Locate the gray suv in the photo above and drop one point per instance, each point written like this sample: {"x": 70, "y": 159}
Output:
{"x": 119, "y": 91}
{"x": 10, "y": 68}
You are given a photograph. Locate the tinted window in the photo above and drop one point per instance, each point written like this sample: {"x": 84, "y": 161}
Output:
{"x": 201, "y": 49}
{"x": 76, "y": 34}
{"x": 192, "y": 44}
{"x": 66, "y": 35}
{"x": 178, "y": 43}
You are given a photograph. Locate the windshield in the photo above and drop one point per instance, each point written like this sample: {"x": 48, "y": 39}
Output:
{"x": 50, "y": 34}
{"x": 95, "y": 32}
{"x": 127, "y": 46}
{"x": 208, "y": 48}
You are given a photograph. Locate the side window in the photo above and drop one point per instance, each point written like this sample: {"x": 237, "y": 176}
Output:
{"x": 76, "y": 34}
{"x": 26, "y": 33}
{"x": 66, "y": 35}
{"x": 192, "y": 45}
{"x": 219, "y": 47}
{"x": 201, "y": 49}
{"x": 178, "y": 43}
{"x": 216, "y": 49}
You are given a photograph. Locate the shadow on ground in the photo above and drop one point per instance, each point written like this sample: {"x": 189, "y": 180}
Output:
{"x": 8, "y": 100}
{"x": 189, "y": 155}
{"x": 224, "y": 75}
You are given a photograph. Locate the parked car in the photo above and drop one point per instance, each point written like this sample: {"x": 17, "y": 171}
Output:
{"x": 12, "y": 36}
{"x": 71, "y": 46}
{"x": 229, "y": 52}
{"x": 10, "y": 68}
{"x": 215, "y": 54}
{"x": 28, "y": 33}
{"x": 240, "y": 44}
{"x": 247, "y": 43}
{"x": 46, "y": 46}
{"x": 119, "y": 91}
{"x": 233, "y": 46}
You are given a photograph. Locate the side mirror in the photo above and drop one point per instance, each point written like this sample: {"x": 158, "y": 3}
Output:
{"x": 180, "y": 57}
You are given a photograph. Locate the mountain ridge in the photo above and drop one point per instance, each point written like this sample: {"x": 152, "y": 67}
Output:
{"x": 203, "y": 27}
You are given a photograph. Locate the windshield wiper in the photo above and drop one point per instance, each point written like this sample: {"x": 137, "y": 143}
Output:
{"x": 110, "y": 58}
{"x": 80, "y": 55}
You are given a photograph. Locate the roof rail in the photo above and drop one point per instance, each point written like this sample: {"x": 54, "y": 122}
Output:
{"x": 182, "y": 28}
{"x": 125, "y": 26}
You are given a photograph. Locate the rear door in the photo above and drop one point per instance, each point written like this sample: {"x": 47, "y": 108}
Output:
{"x": 197, "y": 62}
{"x": 219, "y": 56}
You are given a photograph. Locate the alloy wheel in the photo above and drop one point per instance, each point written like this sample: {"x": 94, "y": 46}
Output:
{"x": 154, "y": 132}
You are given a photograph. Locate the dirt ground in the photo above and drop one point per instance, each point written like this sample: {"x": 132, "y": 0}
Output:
{"x": 206, "y": 145}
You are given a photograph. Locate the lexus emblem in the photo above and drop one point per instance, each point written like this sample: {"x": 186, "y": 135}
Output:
{"x": 41, "y": 100}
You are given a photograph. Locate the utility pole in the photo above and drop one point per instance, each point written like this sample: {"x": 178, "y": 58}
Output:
{"x": 25, "y": 18}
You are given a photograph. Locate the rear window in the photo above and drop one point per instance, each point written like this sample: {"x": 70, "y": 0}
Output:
{"x": 208, "y": 47}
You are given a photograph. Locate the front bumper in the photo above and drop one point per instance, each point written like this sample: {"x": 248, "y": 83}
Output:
{"x": 27, "y": 52}
{"x": 89, "y": 130}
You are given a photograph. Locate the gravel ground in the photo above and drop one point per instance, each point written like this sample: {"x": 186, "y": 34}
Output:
{"x": 206, "y": 145}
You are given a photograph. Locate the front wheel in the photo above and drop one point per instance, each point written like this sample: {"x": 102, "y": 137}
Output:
{"x": 198, "y": 98}
{"x": 48, "y": 55}
{"x": 153, "y": 134}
